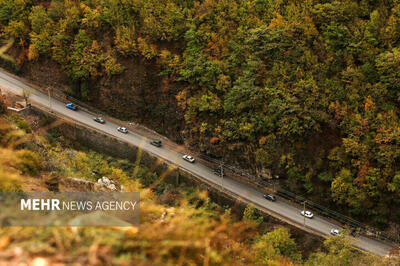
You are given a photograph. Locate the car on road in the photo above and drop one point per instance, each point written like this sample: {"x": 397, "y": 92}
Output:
{"x": 335, "y": 232}
{"x": 71, "y": 106}
{"x": 99, "y": 120}
{"x": 307, "y": 214}
{"x": 122, "y": 130}
{"x": 188, "y": 158}
{"x": 270, "y": 197}
{"x": 218, "y": 172}
{"x": 156, "y": 142}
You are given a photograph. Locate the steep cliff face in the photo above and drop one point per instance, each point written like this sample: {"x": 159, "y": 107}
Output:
{"x": 140, "y": 94}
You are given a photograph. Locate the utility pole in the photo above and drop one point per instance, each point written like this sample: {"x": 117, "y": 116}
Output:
{"x": 304, "y": 213}
{"x": 48, "y": 92}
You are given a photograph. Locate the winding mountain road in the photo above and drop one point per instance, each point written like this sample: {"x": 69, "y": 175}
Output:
{"x": 281, "y": 208}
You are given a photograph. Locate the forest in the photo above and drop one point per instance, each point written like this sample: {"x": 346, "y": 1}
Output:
{"x": 308, "y": 89}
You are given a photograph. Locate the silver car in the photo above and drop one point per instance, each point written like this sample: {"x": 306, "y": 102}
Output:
{"x": 335, "y": 232}
{"x": 99, "y": 120}
{"x": 122, "y": 130}
{"x": 307, "y": 214}
{"x": 188, "y": 158}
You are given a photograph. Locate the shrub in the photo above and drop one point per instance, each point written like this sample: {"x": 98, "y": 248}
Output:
{"x": 28, "y": 162}
{"x": 250, "y": 215}
{"x": 119, "y": 176}
{"x": 23, "y": 125}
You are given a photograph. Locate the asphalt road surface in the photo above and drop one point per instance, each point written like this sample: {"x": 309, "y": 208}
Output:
{"x": 244, "y": 191}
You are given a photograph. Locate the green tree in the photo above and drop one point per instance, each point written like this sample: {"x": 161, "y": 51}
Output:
{"x": 388, "y": 66}
{"x": 16, "y": 30}
{"x": 39, "y": 19}
{"x": 281, "y": 242}
{"x": 125, "y": 40}
{"x": 250, "y": 215}
{"x": 112, "y": 67}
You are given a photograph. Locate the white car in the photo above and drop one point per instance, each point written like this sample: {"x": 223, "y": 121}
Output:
{"x": 188, "y": 158}
{"x": 307, "y": 214}
{"x": 122, "y": 130}
{"x": 335, "y": 232}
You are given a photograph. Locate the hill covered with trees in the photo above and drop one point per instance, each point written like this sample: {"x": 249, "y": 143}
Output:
{"x": 309, "y": 89}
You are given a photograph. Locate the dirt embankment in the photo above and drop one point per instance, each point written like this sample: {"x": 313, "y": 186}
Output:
{"x": 139, "y": 94}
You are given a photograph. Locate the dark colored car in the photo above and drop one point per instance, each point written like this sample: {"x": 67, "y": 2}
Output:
{"x": 71, "y": 106}
{"x": 99, "y": 120}
{"x": 270, "y": 197}
{"x": 156, "y": 142}
{"x": 218, "y": 172}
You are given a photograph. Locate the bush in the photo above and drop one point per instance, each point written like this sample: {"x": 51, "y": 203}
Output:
{"x": 28, "y": 162}
{"x": 277, "y": 242}
{"x": 250, "y": 215}
{"x": 20, "y": 122}
{"x": 23, "y": 125}
{"x": 119, "y": 176}
{"x": 148, "y": 179}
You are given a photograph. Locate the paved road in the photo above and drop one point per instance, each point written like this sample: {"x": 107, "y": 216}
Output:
{"x": 244, "y": 191}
